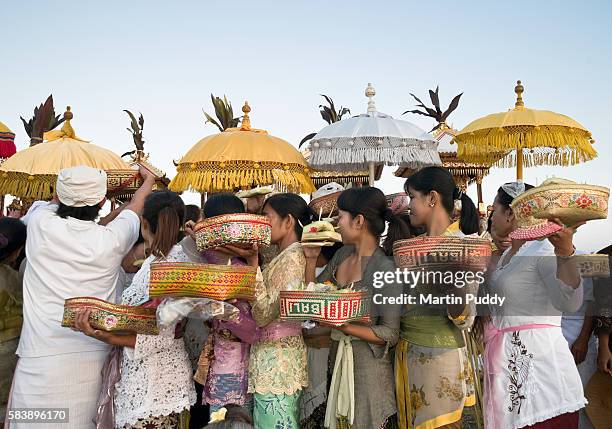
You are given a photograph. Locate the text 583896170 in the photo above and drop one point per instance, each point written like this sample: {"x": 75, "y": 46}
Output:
{"x": 38, "y": 415}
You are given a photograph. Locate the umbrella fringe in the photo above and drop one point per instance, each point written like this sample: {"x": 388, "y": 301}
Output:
{"x": 492, "y": 146}
{"x": 228, "y": 180}
{"x": 27, "y": 187}
{"x": 348, "y": 159}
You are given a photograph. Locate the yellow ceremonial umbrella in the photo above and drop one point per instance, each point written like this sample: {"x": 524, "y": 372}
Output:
{"x": 525, "y": 137}
{"x": 31, "y": 173}
{"x": 242, "y": 158}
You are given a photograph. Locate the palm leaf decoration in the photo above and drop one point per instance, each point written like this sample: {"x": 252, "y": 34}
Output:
{"x": 43, "y": 120}
{"x": 136, "y": 128}
{"x": 435, "y": 112}
{"x": 329, "y": 113}
{"x": 224, "y": 114}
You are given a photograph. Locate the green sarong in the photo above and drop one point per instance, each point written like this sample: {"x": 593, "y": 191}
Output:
{"x": 277, "y": 411}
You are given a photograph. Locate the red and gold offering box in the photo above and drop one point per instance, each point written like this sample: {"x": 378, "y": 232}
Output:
{"x": 185, "y": 279}
{"x": 443, "y": 252}
{"x": 235, "y": 229}
{"x": 110, "y": 317}
{"x": 336, "y": 308}
{"x": 122, "y": 182}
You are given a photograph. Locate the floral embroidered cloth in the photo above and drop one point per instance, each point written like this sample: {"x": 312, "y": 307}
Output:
{"x": 537, "y": 378}
{"x": 278, "y": 366}
{"x": 156, "y": 375}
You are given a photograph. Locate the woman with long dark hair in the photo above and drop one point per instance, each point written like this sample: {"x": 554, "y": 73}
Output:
{"x": 361, "y": 394}
{"x": 156, "y": 386}
{"x": 226, "y": 381}
{"x": 278, "y": 363}
{"x": 433, "y": 377}
{"x": 531, "y": 378}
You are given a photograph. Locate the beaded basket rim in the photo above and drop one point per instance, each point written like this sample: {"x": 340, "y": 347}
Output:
{"x": 110, "y": 307}
{"x": 441, "y": 239}
{"x": 535, "y": 232}
{"x": 333, "y": 294}
{"x": 234, "y": 218}
{"x": 246, "y": 269}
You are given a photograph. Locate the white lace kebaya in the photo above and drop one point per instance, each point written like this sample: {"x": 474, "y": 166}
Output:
{"x": 156, "y": 375}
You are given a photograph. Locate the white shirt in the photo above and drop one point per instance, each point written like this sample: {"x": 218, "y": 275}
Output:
{"x": 537, "y": 378}
{"x": 156, "y": 375}
{"x": 68, "y": 258}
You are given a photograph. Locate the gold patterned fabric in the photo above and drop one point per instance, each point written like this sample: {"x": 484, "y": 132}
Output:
{"x": 220, "y": 282}
{"x": 111, "y": 317}
{"x": 278, "y": 366}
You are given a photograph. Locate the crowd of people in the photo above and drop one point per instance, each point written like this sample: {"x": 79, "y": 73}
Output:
{"x": 408, "y": 367}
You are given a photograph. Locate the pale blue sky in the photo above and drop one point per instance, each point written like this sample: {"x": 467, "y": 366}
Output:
{"x": 165, "y": 58}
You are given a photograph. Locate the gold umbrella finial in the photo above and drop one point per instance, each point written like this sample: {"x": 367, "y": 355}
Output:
{"x": 519, "y": 89}
{"x": 67, "y": 129}
{"x": 246, "y": 121}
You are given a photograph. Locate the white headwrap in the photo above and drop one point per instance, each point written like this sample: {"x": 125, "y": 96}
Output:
{"x": 81, "y": 186}
{"x": 514, "y": 189}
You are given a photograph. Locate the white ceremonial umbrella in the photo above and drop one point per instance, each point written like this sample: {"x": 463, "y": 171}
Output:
{"x": 371, "y": 139}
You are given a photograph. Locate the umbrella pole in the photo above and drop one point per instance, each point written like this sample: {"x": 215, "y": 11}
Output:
{"x": 519, "y": 164}
{"x": 372, "y": 171}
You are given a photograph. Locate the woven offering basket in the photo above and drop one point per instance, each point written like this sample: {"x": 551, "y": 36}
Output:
{"x": 594, "y": 265}
{"x": 110, "y": 317}
{"x": 336, "y": 308}
{"x": 442, "y": 252}
{"x": 326, "y": 205}
{"x": 185, "y": 279}
{"x": 558, "y": 198}
{"x": 235, "y": 229}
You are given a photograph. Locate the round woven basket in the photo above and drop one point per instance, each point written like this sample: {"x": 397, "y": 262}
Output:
{"x": 336, "y": 308}
{"x": 220, "y": 282}
{"x": 442, "y": 252}
{"x": 237, "y": 229}
{"x": 107, "y": 316}
{"x": 558, "y": 198}
{"x": 327, "y": 205}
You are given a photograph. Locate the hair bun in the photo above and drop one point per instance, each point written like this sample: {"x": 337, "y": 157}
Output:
{"x": 388, "y": 215}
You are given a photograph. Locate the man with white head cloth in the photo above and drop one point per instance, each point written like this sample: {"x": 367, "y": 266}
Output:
{"x": 69, "y": 255}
